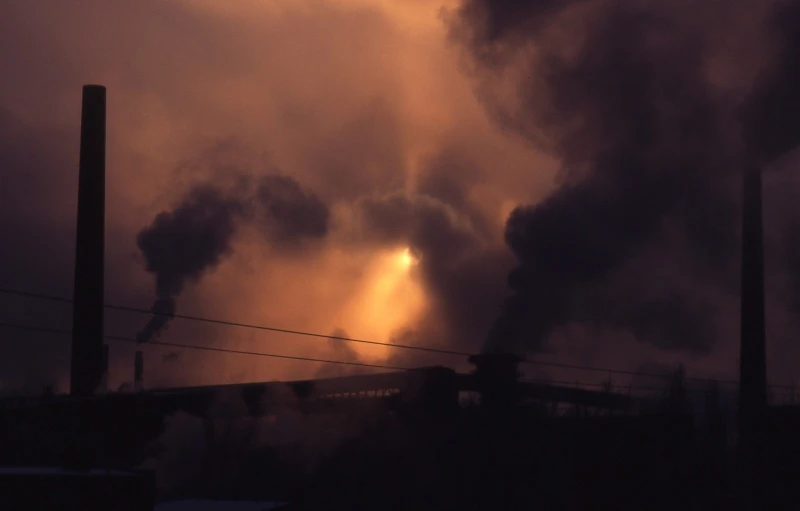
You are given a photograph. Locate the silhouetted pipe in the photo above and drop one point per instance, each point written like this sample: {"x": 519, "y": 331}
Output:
{"x": 86, "y": 371}
{"x": 752, "y": 356}
{"x": 104, "y": 381}
{"x": 138, "y": 372}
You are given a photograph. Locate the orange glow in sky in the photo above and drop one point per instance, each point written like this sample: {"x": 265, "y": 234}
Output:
{"x": 392, "y": 298}
{"x": 352, "y": 98}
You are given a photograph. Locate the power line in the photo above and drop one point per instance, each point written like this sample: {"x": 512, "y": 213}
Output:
{"x": 622, "y": 371}
{"x": 60, "y": 331}
{"x": 362, "y": 341}
{"x": 309, "y": 334}
{"x": 29, "y": 294}
{"x": 206, "y": 348}
{"x": 243, "y": 325}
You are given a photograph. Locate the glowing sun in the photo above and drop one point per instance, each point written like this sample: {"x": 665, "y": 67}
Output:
{"x": 407, "y": 259}
{"x": 390, "y": 298}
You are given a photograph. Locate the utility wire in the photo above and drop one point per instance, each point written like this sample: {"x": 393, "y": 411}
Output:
{"x": 60, "y": 331}
{"x": 622, "y": 371}
{"x": 206, "y": 348}
{"x": 363, "y": 341}
{"x": 340, "y": 338}
{"x": 242, "y": 325}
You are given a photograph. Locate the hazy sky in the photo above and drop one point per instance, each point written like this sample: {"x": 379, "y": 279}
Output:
{"x": 418, "y": 130}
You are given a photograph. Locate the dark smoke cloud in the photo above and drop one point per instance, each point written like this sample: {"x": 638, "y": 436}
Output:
{"x": 646, "y": 144}
{"x": 289, "y": 213}
{"x": 182, "y": 245}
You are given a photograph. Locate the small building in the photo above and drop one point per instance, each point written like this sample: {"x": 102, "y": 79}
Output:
{"x": 45, "y": 488}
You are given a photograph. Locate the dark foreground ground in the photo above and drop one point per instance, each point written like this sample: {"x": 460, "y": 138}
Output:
{"x": 470, "y": 460}
{"x": 473, "y": 463}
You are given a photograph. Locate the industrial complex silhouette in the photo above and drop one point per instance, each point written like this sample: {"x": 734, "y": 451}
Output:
{"x": 417, "y": 438}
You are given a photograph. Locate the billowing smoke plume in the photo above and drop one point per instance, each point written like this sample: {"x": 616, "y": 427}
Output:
{"x": 180, "y": 246}
{"x": 620, "y": 92}
{"x": 290, "y": 214}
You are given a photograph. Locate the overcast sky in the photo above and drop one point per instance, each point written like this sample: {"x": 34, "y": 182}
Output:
{"x": 384, "y": 144}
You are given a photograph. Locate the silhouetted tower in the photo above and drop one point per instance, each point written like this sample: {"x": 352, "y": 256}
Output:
{"x": 752, "y": 356}
{"x": 87, "y": 318}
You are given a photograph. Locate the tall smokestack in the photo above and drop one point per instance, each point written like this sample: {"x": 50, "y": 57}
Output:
{"x": 87, "y": 318}
{"x": 752, "y": 356}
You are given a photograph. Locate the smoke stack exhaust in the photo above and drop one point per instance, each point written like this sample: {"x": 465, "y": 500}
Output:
{"x": 752, "y": 356}
{"x": 87, "y": 317}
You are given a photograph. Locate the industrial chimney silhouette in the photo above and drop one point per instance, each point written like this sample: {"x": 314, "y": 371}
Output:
{"x": 752, "y": 355}
{"x": 87, "y": 362}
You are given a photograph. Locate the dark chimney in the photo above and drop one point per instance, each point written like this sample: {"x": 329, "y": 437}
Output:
{"x": 752, "y": 356}
{"x": 87, "y": 317}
